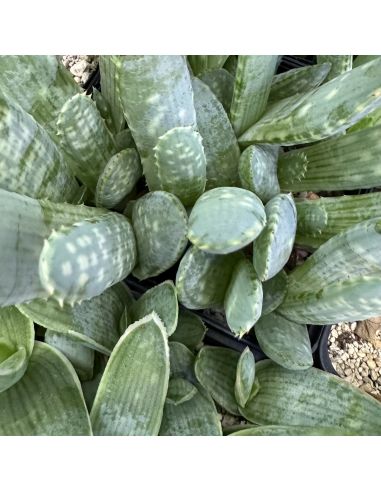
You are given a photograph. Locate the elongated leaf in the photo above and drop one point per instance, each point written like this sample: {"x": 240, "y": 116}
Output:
{"x": 202, "y": 278}
{"x": 81, "y": 357}
{"x": 215, "y": 369}
{"x": 339, "y": 64}
{"x": 324, "y": 112}
{"x": 273, "y": 247}
{"x": 90, "y": 388}
{"x": 95, "y": 322}
{"x": 311, "y": 398}
{"x": 131, "y": 394}
{"x": 321, "y": 219}
{"x": 258, "y": 171}
{"x": 251, "y": 90}
{"x": 285, "y": 342}
{"x": 181, "y": 164}
{"x": 226, "y": 219}
{"x": 345, "y": 162}
{"x": 160, "y": 225}
{"x": 30, "y": 162}
{"x": 221, "y": 83}
{"x": 49, "y": 85}
{"x": 156, "y": 96}
{"x": 204, "y": 63}
{"x": 179, "y": 391}
{"x": 341, "y": 280}
{"x": 103, "y": 108}
{"x": 118, "y": 178}
{"x": 107, "y": 68}
{"x": 86, "y": 138}
{"x": 243, "y": 298}
{"x": 293, "y": 430}
{"x": 370, "y": 120}
{"x": 218, "y": 138}
{"x": 274, "y": 292}
{"x": 163, "y": 300}
{"x": 245, "y": 377}
{"x": 195, "y": 417}
{"x": 47, "y": 401}
{"x": 361, "y": 59}
{"x": 16, "y": 345}
{"x": 298, "y": 81}
{"x": 190, "y": 330}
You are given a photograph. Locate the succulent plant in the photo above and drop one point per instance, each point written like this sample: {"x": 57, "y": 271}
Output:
{"x": 184, "y": 168}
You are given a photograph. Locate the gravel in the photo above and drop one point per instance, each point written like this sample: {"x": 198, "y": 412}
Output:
{"x": 80, "y": 66}
{"x": 355, "y": 359}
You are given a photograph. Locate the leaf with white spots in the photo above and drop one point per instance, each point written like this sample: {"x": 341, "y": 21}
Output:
{"x": 30, "y": 162}
{"x": 118, "y": 178}
{"x": 160, "y": 224}
{"x": 16, "y": 345}
{"x": 226, "y": 219}
{"x": 190, "y": 330}
{"x": 79, "y": 262}
{"x": 86, "y": 138}
{"x": 245, "y": 377}
{"x": 221, "y": 83}
{"x": 274, "y": 292}
{"x": 94, "y": 323}
{"x": 340, "y": 280}
{"x": 285, "y": 342}
{"x": 311, "y": 398}
{"x": 132, "y": 392}
{"x": 181, "y": 165}
{"x": 251, "y": 89}
{"x": 108, "y": 68}
{"x": 163, "y": 300}
{"x": 243, "y": 298}
{"x": 258, "y": 170}
{"x": 272, "y": 248}
{"x": 47, "y": 400}
{"x": 202, "y": 278}
{"x": 218, "y": 138}
{"x": 326, "y": 111}
{"x": 204, "y": 63}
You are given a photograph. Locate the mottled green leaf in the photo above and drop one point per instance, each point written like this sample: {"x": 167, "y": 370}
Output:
{"x": 182, "y": 362}
{"x": 293, "y": 430}
{"x": 204, "y": 63}
{"x": 245, "y": 377}
{"x": 190, "y": 330}
{"x": 274, "y": 292}
{"x": 179, "y": 391}
{"x": 221, "y": 83}
{"x": 339, "y": 64}
{"x": 107, "y": 68}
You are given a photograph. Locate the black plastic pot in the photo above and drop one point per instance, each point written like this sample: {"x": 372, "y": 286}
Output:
{"x": 321, "y": 356}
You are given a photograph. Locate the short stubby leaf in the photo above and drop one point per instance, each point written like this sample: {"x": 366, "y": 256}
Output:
{"x": 190, "y": 330}
{"x": 245, "y": 377}
{"x": 274, "y": 292}
{"x": 179, "y": 391}
{"x": 226, "y": 219}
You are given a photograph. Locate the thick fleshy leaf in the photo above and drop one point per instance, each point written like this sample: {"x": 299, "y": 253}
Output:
{"x": 285, "y": 342}
{"x": 273, "y": 247}
{"x": 86, "y": 138}
{"x": 221, "y": 83}
{"x": 156, "y": 96}
{"x": 179, "y": 391}
{"x": 81, "y": 261}
{"x": 195, "y": 417}
{"x": 182, "y": 362}
{"x": 107, "y": 68}
{"x": 293, "y": 430}
{"x": 251, "y": 90}
{"x": 163, "y": 300}
{"x": 215, "y": 369}
{"x": 90, "y": 388}
{"x": 81, "y": 357}
{"x": 202, "y": 278}
{"x": 190, "y": 330}
{"x": 30, "y": 162}
{"x": 361, "y": 59}
{"x": 47, "y": 401}
{"x": 341, "y": 163}
{"x": 124, "y": 140}
{"x": 326, "y": 111}
{"x": 245, "y": 377}
{"x": 218, "y": 138}
{"x": 258, "y": 170}
{"x": 298, "y": 81}
{"x": 16, "y": 345}
{"x": 181, "y": 163}
{"x": 226, "y": 219}
{"x": 274, "y": 292}
{"x": 243, "y": 298}
{"x": 203, "y": 63}
{"x": 118, "y": 178}
{"x": 160, "y": 224}
{"x": 311, "y": 398}
{"x": 95, "y": 322}
{"x": 339, "y": 64}
{"x": 341, "y": 280}
{"x": 131, "y": 394}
